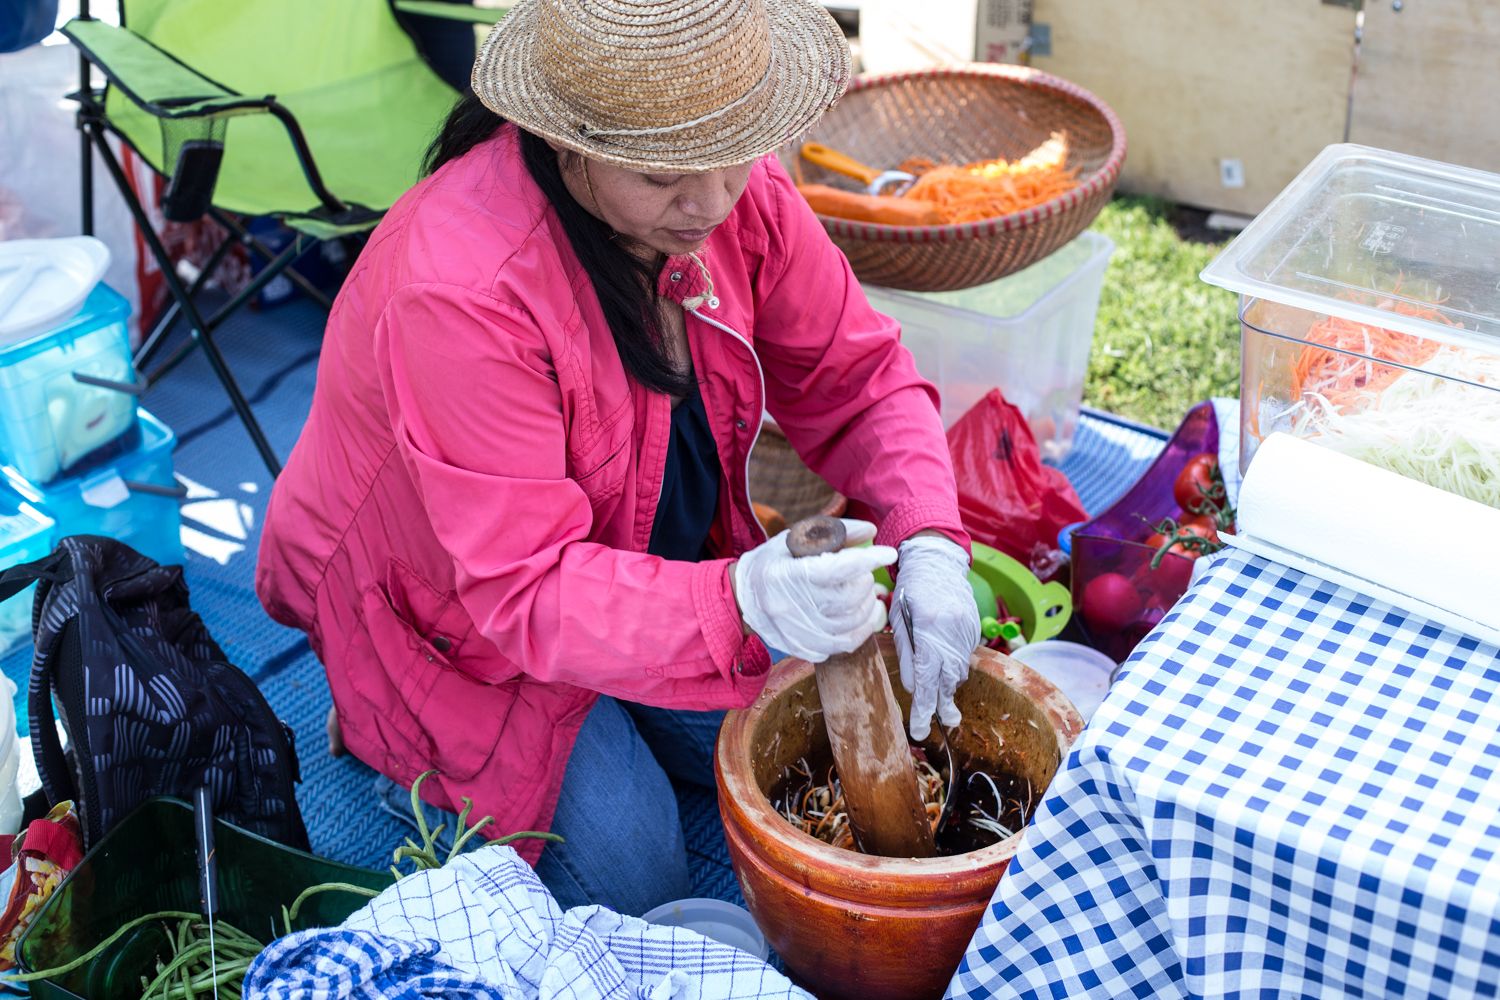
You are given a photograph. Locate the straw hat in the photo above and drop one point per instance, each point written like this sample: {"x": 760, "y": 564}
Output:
{"x": 667, "y": 85}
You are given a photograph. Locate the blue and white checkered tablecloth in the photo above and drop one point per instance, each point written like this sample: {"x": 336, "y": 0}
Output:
{"x": 1291, "y": 791}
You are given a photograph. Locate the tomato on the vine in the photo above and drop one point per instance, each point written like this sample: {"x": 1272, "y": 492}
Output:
{"x": 1199, "y": 488}
{"x": 1157, "y": 540}
{"x": 1166, "y": 581}
{"x": 1202, "y": 525}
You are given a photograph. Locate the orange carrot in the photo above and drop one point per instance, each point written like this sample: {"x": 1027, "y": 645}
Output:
{"x": 881, "y": 209}
{"x": 954, "y": 194}
{"x": 1343, "y": 375}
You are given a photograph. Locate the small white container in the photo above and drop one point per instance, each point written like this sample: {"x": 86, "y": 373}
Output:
{"x": 1080, "y": 672}
{"x": 716, "y": 919}
{"x": 1028, "y": 335}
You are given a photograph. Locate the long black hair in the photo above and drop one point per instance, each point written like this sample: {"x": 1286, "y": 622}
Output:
{"x": 624, "y": 283}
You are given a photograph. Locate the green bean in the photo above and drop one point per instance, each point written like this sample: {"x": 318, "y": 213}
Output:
{"x": 179, "y": 963}
{"x": 313, "y": 890}
{"x": 94, "y": 952}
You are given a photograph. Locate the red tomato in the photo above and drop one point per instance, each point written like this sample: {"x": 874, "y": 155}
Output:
{"x": 1111, "y": 602}
{"x": 1202, "y": 525}
{"x": 1206, "y": 531}
{"x": 1167, "y": 582}
{"x": 1199, "y": 488}
{"x": 1157, "y": 540}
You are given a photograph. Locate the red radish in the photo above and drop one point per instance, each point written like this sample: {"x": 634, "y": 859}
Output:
{"x": 1111, "y": 602}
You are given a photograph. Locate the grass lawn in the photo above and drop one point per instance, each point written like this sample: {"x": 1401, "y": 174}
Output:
{"x": 1164, "y": 340}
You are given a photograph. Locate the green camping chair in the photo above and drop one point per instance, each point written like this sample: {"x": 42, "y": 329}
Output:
{"x": 313, "y": 112}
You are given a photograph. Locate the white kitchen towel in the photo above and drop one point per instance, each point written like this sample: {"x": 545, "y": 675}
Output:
{"x": 484, "y": 926}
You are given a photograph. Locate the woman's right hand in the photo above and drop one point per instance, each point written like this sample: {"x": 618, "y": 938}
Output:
{"x": 817, "y": 606}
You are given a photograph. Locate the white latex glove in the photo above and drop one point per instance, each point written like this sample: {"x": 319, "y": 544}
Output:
{"x": 933, "y": 582}
{"x": 815, "y": 606}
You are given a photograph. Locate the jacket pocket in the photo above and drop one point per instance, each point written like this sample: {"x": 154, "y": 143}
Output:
{"x": 601, "y": 474}
{"x": 439, "y": 692}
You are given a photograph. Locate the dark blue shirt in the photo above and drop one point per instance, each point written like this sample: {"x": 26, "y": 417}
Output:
{"x": 690, "y": 485}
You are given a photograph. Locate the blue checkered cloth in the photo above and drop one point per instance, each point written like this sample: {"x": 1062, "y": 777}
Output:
{"x": 484, "y": 926}
{"x": 1290, "y": 792}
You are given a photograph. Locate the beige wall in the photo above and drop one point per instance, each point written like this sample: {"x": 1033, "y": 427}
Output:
{"x": 1428, "y": 78}
{"x": 1268, "y": 83}
{"x": 1200, "y": 81}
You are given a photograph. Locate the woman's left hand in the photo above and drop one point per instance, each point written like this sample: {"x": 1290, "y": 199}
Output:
{"x": 932, "y": 586}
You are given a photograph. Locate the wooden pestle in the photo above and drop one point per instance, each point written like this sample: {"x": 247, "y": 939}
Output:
{"x": 864, "y": 727}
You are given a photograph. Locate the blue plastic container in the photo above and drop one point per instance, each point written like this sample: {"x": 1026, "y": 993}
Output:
{"x": 134, "y": 497}
{"x": 51, "y": 423}
{"x": 25, "y": 534}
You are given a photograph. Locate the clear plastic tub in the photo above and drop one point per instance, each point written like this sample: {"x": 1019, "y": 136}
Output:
{"x": 51, "y": 423}
{"x": 1370, "y": 316}
{"x": 135, "y": 497}
{"x": 1028, "y": 334}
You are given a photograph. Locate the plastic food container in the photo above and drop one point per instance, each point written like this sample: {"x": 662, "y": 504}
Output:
{"x": 51, "y": 422}
{"x": 1116, "y": 613}
{"x": 716, "y": 919}
{"x": 1370, "y": 316}
{"x": 25, "y": 534}
{"x": 1078, "y": 671}
{"x": 147, "y": 863}
{"x": 135, "y": 497}
{"x": 1028, "y": 334}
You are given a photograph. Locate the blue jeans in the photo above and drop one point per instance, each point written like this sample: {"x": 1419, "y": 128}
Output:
{"x": 617, "y": 812}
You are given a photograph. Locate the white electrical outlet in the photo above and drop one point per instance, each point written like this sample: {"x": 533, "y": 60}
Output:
{"x": 1232, "y": 173}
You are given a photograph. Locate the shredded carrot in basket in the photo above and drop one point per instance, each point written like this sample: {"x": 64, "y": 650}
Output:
{"x": 1342, "y": 378}
{"x": 986, "y": 189}
{"x": 992, "y": 188}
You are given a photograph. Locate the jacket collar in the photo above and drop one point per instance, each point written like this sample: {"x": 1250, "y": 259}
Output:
{"x": 685, "y": 279}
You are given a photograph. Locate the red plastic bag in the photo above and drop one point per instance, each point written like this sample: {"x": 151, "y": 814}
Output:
{"x": 1007, "y": 498}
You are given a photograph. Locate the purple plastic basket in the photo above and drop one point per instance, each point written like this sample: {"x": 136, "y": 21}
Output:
{"x": 1114, "y": 542}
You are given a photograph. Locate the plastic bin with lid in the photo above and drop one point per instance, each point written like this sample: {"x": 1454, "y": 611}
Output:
{"x": 134, "y": 497}
{"x": 1370, "y": 316}
{"x": 1028, "y": 334}
{"x": 67, "y": 382}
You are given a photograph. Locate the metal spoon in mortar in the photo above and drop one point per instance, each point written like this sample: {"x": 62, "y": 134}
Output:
{"x": 938, "y": 728}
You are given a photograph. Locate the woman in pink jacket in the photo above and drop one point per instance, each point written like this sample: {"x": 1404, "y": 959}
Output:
{"x": 516, "y": 527}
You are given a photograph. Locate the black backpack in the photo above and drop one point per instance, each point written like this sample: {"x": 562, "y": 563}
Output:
{"x": 150, "y": 704}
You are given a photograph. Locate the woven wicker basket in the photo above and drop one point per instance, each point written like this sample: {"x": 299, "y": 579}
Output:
{"x": 779, "y": 480}
{"x": 961, "y": 114}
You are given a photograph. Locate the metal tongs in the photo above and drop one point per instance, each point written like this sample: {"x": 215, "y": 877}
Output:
{"x": 937, "y": 726}
{"x": 208, "y": 874}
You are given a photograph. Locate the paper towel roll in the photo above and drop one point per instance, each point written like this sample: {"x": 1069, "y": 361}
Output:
{"x": 1436, "y": 552}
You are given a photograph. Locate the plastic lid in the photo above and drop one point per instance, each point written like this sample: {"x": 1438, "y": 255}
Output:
{"x": 43, "y": 282}
{"x": 716, "y": 919}
{"x": 1379, "y": 238}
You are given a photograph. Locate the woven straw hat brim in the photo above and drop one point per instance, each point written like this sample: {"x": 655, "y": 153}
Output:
{"x": 809, "y": 70}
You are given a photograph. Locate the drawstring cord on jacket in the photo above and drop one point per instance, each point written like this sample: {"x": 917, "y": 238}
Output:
{"x": 707, "y": 295}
